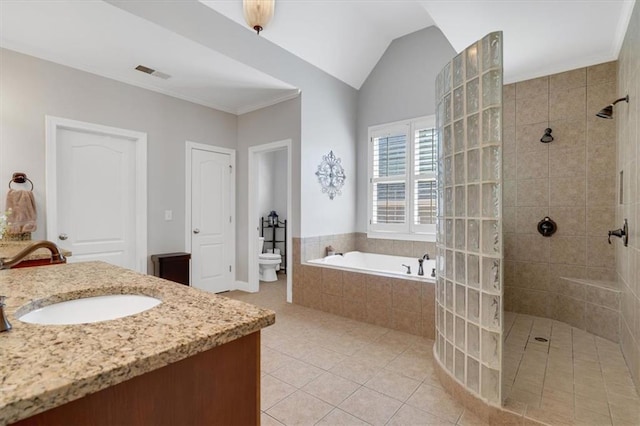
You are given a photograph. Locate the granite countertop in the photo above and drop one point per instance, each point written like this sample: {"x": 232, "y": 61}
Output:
{"x": 44, "y": 366}
{"x": 11, "y": 248}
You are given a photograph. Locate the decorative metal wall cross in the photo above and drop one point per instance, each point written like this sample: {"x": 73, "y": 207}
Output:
{"x": 331, "y": 175}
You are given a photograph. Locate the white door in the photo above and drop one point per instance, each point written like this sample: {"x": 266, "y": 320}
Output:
{"x": 96, "y": 197}
{"x": 96, "y": 192}
{"x": 211, "y": 221}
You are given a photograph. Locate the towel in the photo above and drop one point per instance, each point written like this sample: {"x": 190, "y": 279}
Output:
{"x": 23, "y": 215}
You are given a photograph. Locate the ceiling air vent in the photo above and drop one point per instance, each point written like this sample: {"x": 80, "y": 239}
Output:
{"x": 153, "y": 72}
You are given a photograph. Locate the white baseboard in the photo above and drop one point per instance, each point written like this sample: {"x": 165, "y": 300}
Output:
{"x": 243, "y": 286}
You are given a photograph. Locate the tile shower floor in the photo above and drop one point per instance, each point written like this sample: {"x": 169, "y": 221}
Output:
{"x": 323, "y": 369}
{"x": 573, "y": 377}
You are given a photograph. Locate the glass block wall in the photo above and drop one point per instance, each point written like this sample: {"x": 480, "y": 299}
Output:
{"x": 469, "y": 225}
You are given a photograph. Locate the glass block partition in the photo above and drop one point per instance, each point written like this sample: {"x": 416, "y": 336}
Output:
{"x": 469, "y": 224}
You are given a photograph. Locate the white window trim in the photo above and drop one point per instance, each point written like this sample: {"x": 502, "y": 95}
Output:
{"x": 407, "y": 231}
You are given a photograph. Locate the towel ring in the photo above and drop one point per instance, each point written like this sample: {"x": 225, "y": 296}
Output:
{"x": 20, "y": 178}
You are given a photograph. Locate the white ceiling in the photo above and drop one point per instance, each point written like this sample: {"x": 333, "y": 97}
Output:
{"x": 96, "y": 37}
{"x": 345, "y": 38}
{"x": 541, "y": 37}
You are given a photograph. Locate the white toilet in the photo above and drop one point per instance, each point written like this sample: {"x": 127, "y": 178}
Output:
{"x": 268, "y": 263}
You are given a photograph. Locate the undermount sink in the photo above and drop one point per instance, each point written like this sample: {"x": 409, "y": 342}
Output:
{"x": 91, "y": 309}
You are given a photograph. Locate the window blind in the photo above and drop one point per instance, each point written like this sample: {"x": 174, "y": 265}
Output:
{"x": 425, "y": 189}
{"x": 389, "y": 179}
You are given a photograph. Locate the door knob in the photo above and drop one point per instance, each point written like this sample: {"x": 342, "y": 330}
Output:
{"x": 196, "y": 231}
{"x": 63, "y": 236}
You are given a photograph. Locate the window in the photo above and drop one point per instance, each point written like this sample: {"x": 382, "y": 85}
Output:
{"x": 402, "y": 179}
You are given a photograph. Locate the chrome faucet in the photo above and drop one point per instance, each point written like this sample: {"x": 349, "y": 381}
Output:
{"x": 425, "y": 256}
{"x": 408, "y": 268}
{"x": 56, "y": 255}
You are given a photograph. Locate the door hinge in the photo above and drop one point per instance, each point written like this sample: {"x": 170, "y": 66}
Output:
{"x": 229, "y": 268}
{"x": 370, "y": 222}
{"x": 230, "y": 168}
{"x": 229, "y": 219}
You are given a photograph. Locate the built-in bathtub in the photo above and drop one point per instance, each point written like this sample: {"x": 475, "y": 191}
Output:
{"x": 369, "y": 287}
{"x": 379, "y": 264}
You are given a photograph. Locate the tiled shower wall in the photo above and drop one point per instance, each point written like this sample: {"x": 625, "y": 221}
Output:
{"x": 628, "y": 258}
{"x": 572, "y": 180}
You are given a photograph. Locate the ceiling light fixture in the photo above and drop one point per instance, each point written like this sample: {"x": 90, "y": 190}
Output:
{"x": 607, "y": 112}
{"x": 258, "y": 13}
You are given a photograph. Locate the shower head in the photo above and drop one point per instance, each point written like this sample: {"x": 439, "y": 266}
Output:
{"x": 607, "y": 112}
{"x": 546, "y": 138}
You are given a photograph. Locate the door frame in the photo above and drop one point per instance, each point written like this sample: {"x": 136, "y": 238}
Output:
{"x": 190, "y": 146}
{"x": 254, "y": 151}
{"x": 52, "y": 124}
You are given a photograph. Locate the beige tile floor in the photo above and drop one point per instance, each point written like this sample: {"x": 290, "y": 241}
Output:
{"x": 323, "y": 369}
{"x": 573, "y": 378}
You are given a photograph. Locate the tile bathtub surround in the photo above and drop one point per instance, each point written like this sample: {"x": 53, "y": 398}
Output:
{"x": 394, "y": 247}
{"x": 627, "y": 116}
{"x": 395, "y": 303}
{"x": 314, "y": 247}
{"x": 572, "y": 180}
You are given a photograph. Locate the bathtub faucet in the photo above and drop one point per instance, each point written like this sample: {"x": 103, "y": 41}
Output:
{"x": 408, "y": 268}
{"x": 426, "y": 256}
{"x": 420, "y": 270}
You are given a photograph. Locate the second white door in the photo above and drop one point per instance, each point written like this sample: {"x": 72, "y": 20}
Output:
{"x": 211, "y": 221}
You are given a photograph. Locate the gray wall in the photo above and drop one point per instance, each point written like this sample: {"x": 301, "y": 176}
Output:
{"x": 31, "y": 88}
{"x": 272, "y": 184}
{"x": 276, "y": 123}
{"x": 328, "y": 106}
{"x": 400, "y": 87}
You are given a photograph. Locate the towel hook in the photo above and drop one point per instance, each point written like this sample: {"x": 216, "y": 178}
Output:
{"x": 19, "y": 177}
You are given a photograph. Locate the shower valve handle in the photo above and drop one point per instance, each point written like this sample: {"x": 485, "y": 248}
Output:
{"x": 621, "y": 233}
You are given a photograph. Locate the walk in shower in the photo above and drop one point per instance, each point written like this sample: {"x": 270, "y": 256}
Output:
{"x": 531, "y": 322}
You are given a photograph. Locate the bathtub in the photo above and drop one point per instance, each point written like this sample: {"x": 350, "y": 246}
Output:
{"x": 379, "y": 264}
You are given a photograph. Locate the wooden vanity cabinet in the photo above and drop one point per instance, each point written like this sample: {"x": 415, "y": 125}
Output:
{"x": 220, "y": 386}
